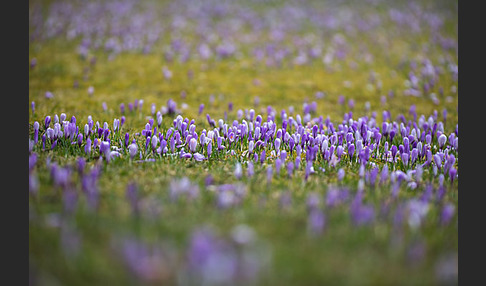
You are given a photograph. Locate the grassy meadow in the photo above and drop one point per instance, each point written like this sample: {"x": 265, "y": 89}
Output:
{"x": 156, "y": 218}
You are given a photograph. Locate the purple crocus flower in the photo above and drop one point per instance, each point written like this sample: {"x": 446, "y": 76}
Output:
{"x": 87, "y": 147}
{"x": 80, "y": 139}
{"x": 394, "y": 151}
{"x": 442, "y": 140}
{"x": 250, "y": 170}
{"x": 172, "y": 144}
{"x": 132, "y": 149}
{"x": 36, "y": 132}
{"x": 33, "y": 184}
{"x": 438, "y": 160}
{"x": 417, "y": 209}
{"x": 351, "y": 151}
{"x": 199, "y": 157}
{"x": 447, "y": 213}
{"x": 405, "y": 158}
{"x": 154, "y": 142}
{"x": 341, "y": 100}
{"x": 309, "y": 169}
{"x": 316, "y": 222}
{"x": 105, "y": 149}
{"x": 291, "y": 144}
{"x": 278, "y": 165}
{"x": 49, "y": 95}
{"x": 81, "y": 163}
{"x": 362, "y": 214}
{"x": 262, "y": 157}
{"x": 210, "y": 148}
{"x": 32, "y": 161}
{"x": 414, "y": 155}
{"x": 269, "y": 174}
{"x": 340, "y": 174}
{"x": 238, "y": 171}
{"x": 193, "y": 145}
{"x": 47, "y": 121}
{"x": 147, "y": 143}
{"x": 290, "y": 169}
{"x": 277, "y": 145}
{"x": 33, "y": 63}
{"x": 251, "y": 145}
{"x": 339, "y": 151}
{"x": 452, "y": 174}
{"x": 335, "y": 196}
{"x": 220, "y": 141}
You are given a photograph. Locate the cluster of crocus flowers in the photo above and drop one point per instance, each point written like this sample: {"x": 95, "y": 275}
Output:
{"x": 283, "y": 146}
{"x": 296, "y": 142}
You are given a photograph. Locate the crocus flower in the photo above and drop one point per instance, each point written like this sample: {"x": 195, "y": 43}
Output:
{"x": 340, "y": 174}
{"x": 132, "y": 148}
{"x": 447, "y": 213}
{"x": 251, "y": 146}
{"x": 193, "y": 145}
{"x": 185, "y": 155}
{"x": 250, "y": 170}
{"x": 362, "y": 214}
{"x": 316, "y": 222}
{"x": 238, "y": 171}
{"x": 87, "y": 147}
{"x": 262, "y": 157}
{"x": 405, "y": 158}
{"x": 36, "y": 132}
{"x": 417, "y": 209}
{"x": 278, "y": 165}
{"x": 210, "y": 148}
{"x": 339, "y": 151}
{"x": 80, "y": 139}
{"x": 351, "y": 150}
{"x": 199, "y": 157}
{"x": 290, "y": 169}
{"x": 32, "y": 161}
{"x": 442, "y": 140}
{"x": 155, "y": 142}
{"x": 33, "y": 184}
{"x": 277, "y": 145}
{"x": 269, "y": 174}
{"x": 452, "y": 174}
{"x": 105, "y": 149}
{"x": 172, "y": 144}
{"x": 438, "y": 160}
{"x": 116, "y": 124}
{"x": 47, "y": 121}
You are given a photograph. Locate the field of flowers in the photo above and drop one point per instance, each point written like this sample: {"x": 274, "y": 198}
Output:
{"x": 243, "y": 143}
